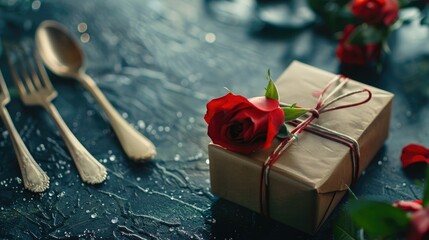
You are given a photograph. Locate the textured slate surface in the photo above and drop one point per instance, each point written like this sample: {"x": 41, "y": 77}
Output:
{"x": 159, "y": 62}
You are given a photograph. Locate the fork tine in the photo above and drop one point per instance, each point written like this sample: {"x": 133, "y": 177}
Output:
{"x": 31, "y": 68}
{"x": 24, "y": 64}
{"x": 45, "y": 79}
{"x": 15, "y": 75}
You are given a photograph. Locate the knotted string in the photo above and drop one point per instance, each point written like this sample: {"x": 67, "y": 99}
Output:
{"x": 323, "y": 105}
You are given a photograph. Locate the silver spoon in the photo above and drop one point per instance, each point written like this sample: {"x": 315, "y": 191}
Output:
{"x": 64, "y": 57}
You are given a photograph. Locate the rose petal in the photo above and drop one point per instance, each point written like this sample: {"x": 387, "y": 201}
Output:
{"x": 264, "y": 104}
{"x": 414, "y": 153}
{"x": 409, "y": 206}
{"x": 275, "y": 123}
{"x": 225, "y": 103}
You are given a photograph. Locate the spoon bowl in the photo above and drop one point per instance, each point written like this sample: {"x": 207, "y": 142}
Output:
{"x": 62, "y": 54}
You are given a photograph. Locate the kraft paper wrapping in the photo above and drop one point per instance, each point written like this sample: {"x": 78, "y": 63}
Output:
{"x": 312, "y": 176}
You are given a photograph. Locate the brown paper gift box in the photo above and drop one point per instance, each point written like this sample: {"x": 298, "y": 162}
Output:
{"x": 312, "y": 176}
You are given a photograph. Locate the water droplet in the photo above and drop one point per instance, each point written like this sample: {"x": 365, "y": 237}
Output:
{"x": 210, "y": 37}
{"x": 112, "y": 158}
{"x": 191, "y": 120}
{"x": 35, "y": 5}
{"x": 125, "y": 115}
{"x": 94, "y": 215}
{"x": 82, "y": 27}
{"x": 167, "y": 129}
{"x": 141, "y": 124}
{"x": 60, "y": 175}
{"x": 41, "y": 147}
{"x": 179, "y": 114}
{"x": 207, "y": 161}
{"x": 404, "y": 184}
{"x": 51, "y": 193}
{"x": 177, "y": 157}
{"x": 138, "y": 179}
{"x": 171, "y": 229}
{"x": 379, "y": 163}
{"x": 5, "y": 134}
{"x": 408, "y": 113}
{"x": 18, "y": 180}
{"x": 85, "y": 37}
{"x": 114, "y": 220}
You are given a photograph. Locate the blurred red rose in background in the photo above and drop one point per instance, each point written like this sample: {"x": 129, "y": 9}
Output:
{"x": 376, "y": 12}
{"x": 356, "y": 54}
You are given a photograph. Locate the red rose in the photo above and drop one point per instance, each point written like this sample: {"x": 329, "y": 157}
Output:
{"x": 419, "y": 228}
{"x": 243, "y": 125}
{"x": 377, "y": 12}
{"x": 356, "y": 54}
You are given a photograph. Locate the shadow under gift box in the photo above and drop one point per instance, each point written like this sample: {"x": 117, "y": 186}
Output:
{"x": 311, "y": 176}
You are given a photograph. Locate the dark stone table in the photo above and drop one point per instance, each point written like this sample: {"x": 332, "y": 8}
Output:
{"x": 159, "y": 63}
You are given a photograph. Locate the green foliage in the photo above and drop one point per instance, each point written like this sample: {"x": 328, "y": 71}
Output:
{"x": 271, "y": 90}
{"x": 292, "y": 113}
{"x": 377, "y": 218}
{"x": 334, "y": 12}
{"x": 284, "y": 132}
{"x": 366, "y": 34}
{"x": 344, "y": 228}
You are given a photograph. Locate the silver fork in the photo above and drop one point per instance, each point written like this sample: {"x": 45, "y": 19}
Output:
{"x": 35, "y": 88}
{"x": 35, "y": 179}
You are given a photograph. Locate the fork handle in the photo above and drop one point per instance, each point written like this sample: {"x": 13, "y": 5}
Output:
{"x": 35, "y": 179}
{"x": 135, "y": 145}
{"x": 90, "y": 170}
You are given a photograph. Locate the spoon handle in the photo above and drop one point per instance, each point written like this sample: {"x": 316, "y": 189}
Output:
{"x": 35, "y": 179}
{"x": 135, "y": 145}
{"x": 90, "y": 170}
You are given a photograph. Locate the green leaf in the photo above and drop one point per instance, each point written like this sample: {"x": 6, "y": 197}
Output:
{"x": 426, "y": 189}
{"x": 271, "y": 91}
{"x": 344, "y": 227}
{"x": 292, "y": 113}
{"x": 283, "y": 132}
{"x": 366, "y": 34}
{"x": 342, "y": 234}
{"x": 378, "y": 218}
